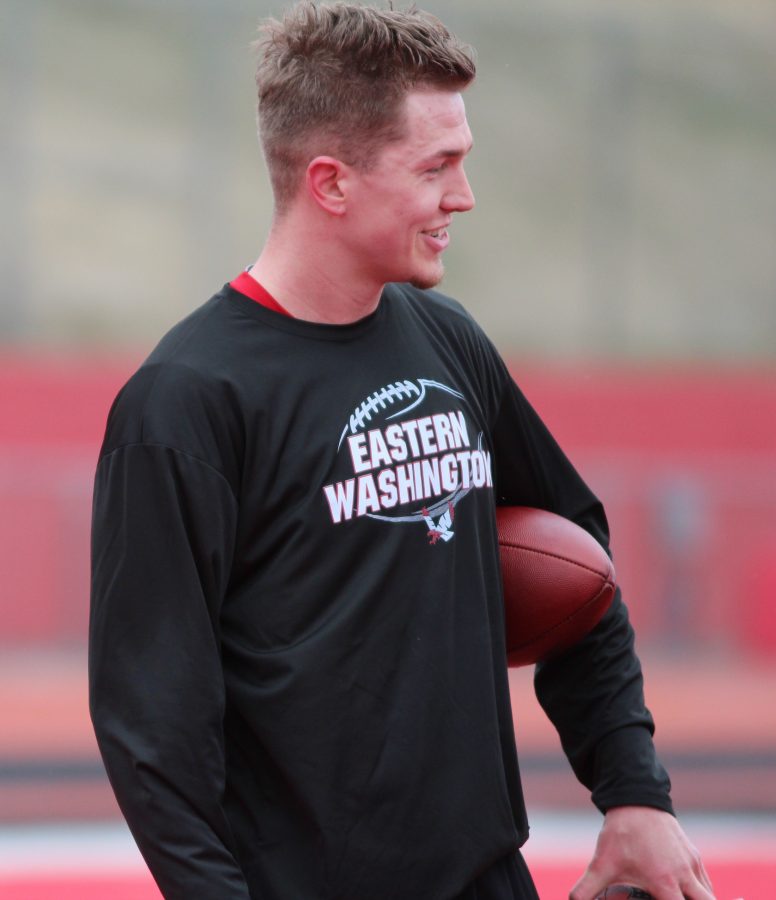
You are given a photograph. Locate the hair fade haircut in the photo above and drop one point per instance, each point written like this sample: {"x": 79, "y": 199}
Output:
{"x": 331, "y": 80}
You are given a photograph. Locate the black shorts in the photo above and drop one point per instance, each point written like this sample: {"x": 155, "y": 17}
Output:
{"x": 507, "y": 879}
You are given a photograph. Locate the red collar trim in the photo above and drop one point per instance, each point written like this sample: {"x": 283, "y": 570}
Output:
{"x": 247, "y": 285}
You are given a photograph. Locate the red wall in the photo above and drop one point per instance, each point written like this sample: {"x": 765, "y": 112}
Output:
{"x": 685, "y": 460}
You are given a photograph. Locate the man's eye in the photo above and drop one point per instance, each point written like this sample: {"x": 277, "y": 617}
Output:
{"x": 436, "y": 170}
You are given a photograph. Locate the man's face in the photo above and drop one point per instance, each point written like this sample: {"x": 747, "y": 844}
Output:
{"x": 400, "y": 209}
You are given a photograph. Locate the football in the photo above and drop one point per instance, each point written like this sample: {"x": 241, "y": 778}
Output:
{"x": 557, "y": 579}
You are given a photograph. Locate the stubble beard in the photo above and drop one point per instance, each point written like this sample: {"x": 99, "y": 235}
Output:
{"x": 426, "y": 282}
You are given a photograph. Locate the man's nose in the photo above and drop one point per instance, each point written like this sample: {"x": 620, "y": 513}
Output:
{"x": 460, "y": 197}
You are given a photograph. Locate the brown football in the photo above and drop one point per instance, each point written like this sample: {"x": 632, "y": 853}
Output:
{"x": 558, "y": 582}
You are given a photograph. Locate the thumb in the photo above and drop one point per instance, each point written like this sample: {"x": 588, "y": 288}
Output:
{"x": 589, "y": 886}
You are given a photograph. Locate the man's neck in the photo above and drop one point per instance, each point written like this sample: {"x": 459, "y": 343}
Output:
{"x": 305, "y": 273}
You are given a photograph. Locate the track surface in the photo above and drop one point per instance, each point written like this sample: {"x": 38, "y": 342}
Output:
{"x": 94, "y": 862}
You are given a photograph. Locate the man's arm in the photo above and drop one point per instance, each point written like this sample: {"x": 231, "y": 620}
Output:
{"x": 593, "y": 693}
{"x": 162, "y": 542}
{"x": 641, "y": 843}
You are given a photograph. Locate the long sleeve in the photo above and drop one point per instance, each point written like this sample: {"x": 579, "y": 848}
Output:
{"x": 163, "y": 536}
{"x": 593, "y": 693}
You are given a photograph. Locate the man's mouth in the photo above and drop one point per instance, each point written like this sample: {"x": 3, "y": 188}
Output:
{"x": 438, "y": 234}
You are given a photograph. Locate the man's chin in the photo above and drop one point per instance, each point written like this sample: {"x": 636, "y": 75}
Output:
{"x": 427, "y": 281}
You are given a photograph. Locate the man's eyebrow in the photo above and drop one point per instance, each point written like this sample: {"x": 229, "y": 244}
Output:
{"x": 449, "y": 154}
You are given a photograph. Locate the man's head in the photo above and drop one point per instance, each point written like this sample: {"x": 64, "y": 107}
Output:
{"x": 332, "y": 80}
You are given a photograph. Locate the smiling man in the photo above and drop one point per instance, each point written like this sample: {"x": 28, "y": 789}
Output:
{"x": 366, "y": 224}
{"x": 297, "y": 666}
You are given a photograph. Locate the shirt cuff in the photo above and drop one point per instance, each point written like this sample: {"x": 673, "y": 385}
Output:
{"x": 628, "y": 773}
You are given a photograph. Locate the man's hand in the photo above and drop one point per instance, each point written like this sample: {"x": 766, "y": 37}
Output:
{"x": 647, "y": 848}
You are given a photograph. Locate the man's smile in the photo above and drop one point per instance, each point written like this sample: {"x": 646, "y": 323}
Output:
{"x": 438, "y": 237}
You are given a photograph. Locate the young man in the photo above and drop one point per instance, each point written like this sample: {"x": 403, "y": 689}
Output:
{"x": 297, "y": 663}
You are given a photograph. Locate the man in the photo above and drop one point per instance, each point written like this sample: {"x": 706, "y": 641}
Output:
{"x": 297, "y": 663}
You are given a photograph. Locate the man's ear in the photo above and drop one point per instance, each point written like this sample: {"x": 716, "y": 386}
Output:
{"x": 325, "y": 181}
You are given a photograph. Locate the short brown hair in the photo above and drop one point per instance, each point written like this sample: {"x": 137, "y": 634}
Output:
{"x": 331, "y": 79}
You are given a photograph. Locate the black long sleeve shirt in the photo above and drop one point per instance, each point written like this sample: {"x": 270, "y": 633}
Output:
{"x": 297, "y": 670}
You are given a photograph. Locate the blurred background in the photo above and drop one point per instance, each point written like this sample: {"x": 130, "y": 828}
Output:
{"x": 622, "y": 255}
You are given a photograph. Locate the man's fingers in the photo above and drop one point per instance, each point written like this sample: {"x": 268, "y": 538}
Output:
{"x": 698, "y": 886}
{"x": 589, "y": 886}
{"x": 704, "y": 876}
{"x": 594, "y": 886}
{"x": 697, "y": 890}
